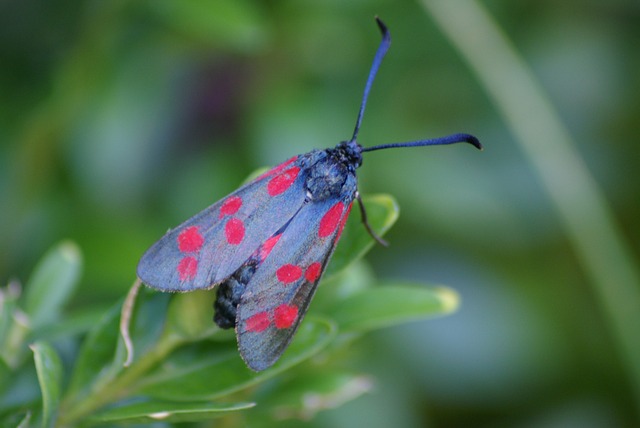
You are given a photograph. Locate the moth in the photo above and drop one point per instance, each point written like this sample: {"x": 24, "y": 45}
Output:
{"x": 266, "y": 245}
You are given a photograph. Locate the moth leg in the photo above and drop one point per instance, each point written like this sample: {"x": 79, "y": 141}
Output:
{"x": 366, "y": 223}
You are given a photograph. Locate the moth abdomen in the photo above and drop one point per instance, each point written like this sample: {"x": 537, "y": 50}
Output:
{"x": 229, "y": 294}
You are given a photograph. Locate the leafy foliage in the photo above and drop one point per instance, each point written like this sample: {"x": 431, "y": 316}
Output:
{"x": 119, "y": 119}
{"x": 185, "y": 369}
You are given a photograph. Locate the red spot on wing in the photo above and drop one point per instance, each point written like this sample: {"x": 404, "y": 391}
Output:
{"x": 313, "y": 272}
{"x": 278, "y": 168}
{"x": 234, "y": 231}
{"x": 230, "y": 206}
{"x": 285, "y": 316}
{"x": 187, "y": 268}
{"x": 343, "y": 222}
{"x": 289, "y": 273}
{"x": 268, "y": 246}
{"x": 330, "y": 220}
{"x": 282, "y": 181}
{"x": 190, "y": 240}
{"x": 258, "y": 322}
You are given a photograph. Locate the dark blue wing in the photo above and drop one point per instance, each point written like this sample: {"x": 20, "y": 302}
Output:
{"x": 278, "y": 294}
{"x": 210, "y": 246}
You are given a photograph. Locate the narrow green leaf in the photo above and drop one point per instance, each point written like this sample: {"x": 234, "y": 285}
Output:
{"x": 5, "y": 374}
{"x": 74, "y": 324}
{"x": 382, "y": 213}
{"x": 96, "y": 355}
{"x": 392, "y": 304}
{"x": 52, "y": 283}
{"x": 102, "y": 355}
{"x": 8, "y": 304}
{"x": 49, "y": 369}
{"x": 14, "y": 328}
{"x": 220, "y": 371}
{"x": 21, "y": 391}
{"x": 301, "y": 397}
{"x": 156, "y": 411}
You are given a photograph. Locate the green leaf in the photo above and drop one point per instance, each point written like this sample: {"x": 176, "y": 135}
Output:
{"x": 5, "y": 375}
{"x": 357, "y": 277}
{"x": 102, "y": 357}
{"x": 193, "y": 375}
{"x": 8, "y": 304}
{"x": 148, "y": 321}
{"x": 190, "y": 314}
{"x": 382, "y": 213}
{"x": 52, "y": 283}
{"x": 388, "y": 305}
{"x": 14, "y": 329}
{"x": 155, "y": 411}
{"x": 74, "y": 324}
{"x": 301, "y": 397}
{"x": 49, "y": 369}
{"x": 21, "y": 392}
{"x": 96, "y": 354}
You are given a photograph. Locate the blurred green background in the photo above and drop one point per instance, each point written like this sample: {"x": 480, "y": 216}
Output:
{"x": 121, "y": 119}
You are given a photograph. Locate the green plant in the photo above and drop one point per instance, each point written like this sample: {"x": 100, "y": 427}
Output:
{"x": 184, "y": 368}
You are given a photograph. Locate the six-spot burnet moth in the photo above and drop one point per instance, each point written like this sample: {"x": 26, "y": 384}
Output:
{"x": 267, "y": 244}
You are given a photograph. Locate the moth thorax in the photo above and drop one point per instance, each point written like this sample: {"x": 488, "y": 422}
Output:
{"x": 326, "y": 179}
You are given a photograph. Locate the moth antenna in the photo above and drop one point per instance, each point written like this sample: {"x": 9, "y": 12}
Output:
{"x": 377, "y": 60}
{"x": 449, "y": 139}
{"x": 363, "y": 212}
{"x": 380, "y": 53}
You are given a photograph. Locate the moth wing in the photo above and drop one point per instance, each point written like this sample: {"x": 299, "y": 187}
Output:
{"x": 210, "y": 246}
{"x": 278, "y": 294}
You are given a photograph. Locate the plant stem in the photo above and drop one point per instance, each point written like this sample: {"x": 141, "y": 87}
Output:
{"x": 121, "y": 385}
